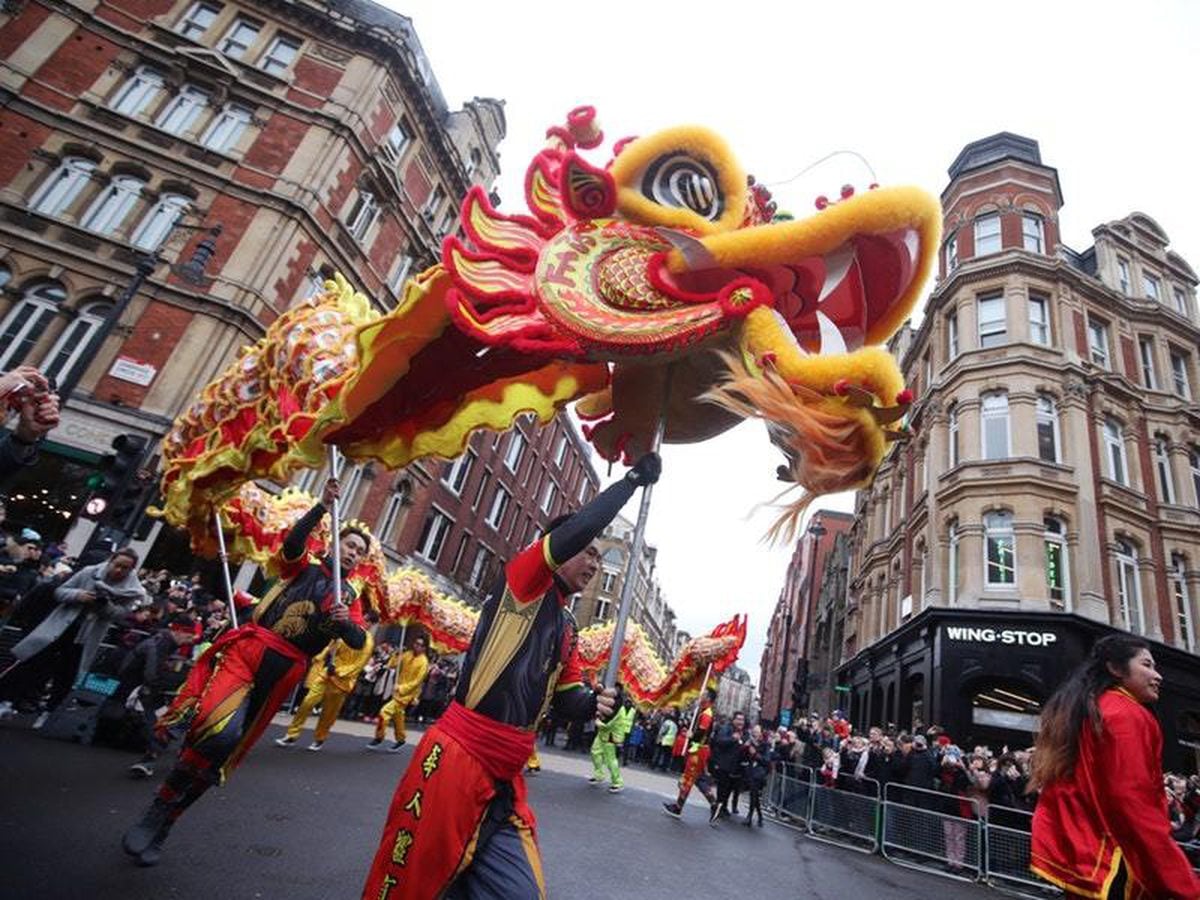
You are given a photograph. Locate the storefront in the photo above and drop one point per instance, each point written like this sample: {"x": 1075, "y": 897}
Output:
{"x": 984, "y": 675}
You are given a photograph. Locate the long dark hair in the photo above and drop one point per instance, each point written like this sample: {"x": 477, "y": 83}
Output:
{"x": 1075, "y": 704}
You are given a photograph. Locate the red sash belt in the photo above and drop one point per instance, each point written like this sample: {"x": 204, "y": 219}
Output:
{"x": 500, "y": 748}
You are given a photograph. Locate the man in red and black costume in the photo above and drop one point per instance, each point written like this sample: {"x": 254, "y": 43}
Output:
{"x": 695, "y": 771}
{"x": 459, "y": 824}
{"x": 240, "y": 682}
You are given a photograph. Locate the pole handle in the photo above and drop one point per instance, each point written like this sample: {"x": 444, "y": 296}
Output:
{"x": 335, "y": 528}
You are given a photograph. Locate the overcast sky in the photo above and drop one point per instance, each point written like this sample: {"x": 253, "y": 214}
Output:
{"x": 1107, "y": 89}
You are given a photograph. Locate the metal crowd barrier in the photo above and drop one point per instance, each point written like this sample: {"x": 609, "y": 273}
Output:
{"x": 847, "y": 813}
{"x": 1008, "y": 839}
{"x": 790, "y": 796}
{"x": 928, "y": 830}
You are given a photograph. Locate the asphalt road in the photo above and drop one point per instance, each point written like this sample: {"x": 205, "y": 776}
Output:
{"x": 303, "y": 826}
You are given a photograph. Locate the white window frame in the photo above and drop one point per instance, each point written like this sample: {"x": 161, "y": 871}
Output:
{"x": 181, "y": 111}
{"x": 952, "y": 565}
{"x": 1039, "y": 325}
{"x": 1054, "y": 539}
{"x": 399, "y": 274}
{"x": 362, "y": 215}
{"x": 1151, "y": 287}
{"x": 463, "y": 541}
{"x": 226, "y": 127}
{"x": 1047, "y": 415}
{"x": 998, "y": 532}
{"x": 953, "y": 450}
{"x": 391, "y": 515}
{"x": 994, "y": 331}
{"x": 433, "y": 535}
{"x": 1193, "y": 465}
{"x": 398, "y": 139}
{"x": 189, "y": 25}
{"x": 549, "y": 492}
{"x": 459, "y": 472}
{"x": 952, "y": 336}
{"x": 951, "y": 253}
{"x": 602, "y": 605}
{"x": 156, "y": 225}
{"x": 500, "y": 499}
{"x": 27, "y": 321}
{"x": 1162, "y": 465}
{"x": 1098, "y": 347}
{"x": 479, "y": 566}
{"x": 988, "y": 239}
{"x": 1033, "y": 232}
{"x": 74, "y": 341}
{"x": 272, "y": 62}
{"x": 608, "y": 581}
{"x": 994, "y": 407}
{"x": 433, "y": 203}
{"x": 514, "y": 451}
{"x": 560, "y": 450}
{"x": 1123, "y": 280}
{"x": 63, "y": 186}
{"x": 113, "y": 204}
{"x": 1180, "y": 376}
{"x": 1129, "y": 588}
{"x": 1183, "y": 602}
{"x": 1181, "y": 302}
{"x": 1146, "y": 356}
{"x": 138, "y": 91}
{"x": 233, "y": 43}
{"x": 1114, "y": 443}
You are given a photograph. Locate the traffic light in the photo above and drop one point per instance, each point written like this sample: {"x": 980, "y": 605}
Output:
{"x": 118, "y": 487}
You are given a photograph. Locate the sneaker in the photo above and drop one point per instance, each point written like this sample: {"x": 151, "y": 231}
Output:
{"x": 142, "y": 769}
{"x": 714, "y": 815}
{"x": 615, "y": 788}
{"x": 316, "y": 745}
{"x": 41, "y": 720}
{"x": 593, "y": 780}
{"x": 395, "y": 748}
{"x": 375, "y": 744}
{"x": 284, "y": 741}
{"x": 533, "y": 770}
{"x": 6, "y": 709}
{"x": 672, "y": 810}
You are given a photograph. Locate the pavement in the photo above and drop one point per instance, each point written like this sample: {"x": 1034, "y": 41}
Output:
{"x": 303, "y": 826}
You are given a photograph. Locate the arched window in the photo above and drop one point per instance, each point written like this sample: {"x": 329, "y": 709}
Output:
{"x": 62, "y": 186}
{"x": 73, "y": 343}
{"x": 1183, "y": 602}
{"x": 1162, "y": 466}
{"x": 1047, "y": 428}
{"x": 26, "y": 322}
{"x": 226, "y": 127}
{"x": 159, "y": 221}
{"x": 109, "y": 210}
{"x": 138, "y": 91}
{"x": 995, "y": 432}
{"x": 1129, "y": 590}
{"x": 1054, "y": 540}
{"x": 999, "y": 550}
{"x": 182, "y": 110}
{"x": 1114, "y": 446}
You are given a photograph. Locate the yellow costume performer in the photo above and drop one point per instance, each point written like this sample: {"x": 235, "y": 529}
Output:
{"x": 413, "y": 667}
{"x": 330, "y": 681}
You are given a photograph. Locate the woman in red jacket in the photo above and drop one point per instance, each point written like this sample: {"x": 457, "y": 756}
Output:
{"x": 1101, "y": 827}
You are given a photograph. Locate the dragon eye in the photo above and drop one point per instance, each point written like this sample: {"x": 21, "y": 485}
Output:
{"x": 681, "y": 181}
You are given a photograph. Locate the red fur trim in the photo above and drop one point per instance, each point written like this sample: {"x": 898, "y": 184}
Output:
{"x": 622, "y": 144}
{"x": 587, "y": 192}
{"x": 521, "y": 257}
{"x": 533, "y": 337}
{"x": 656, "y": 268}
{"x": 905, "y": 396}
{"x": 598, "y": 417}
{"x": 760, "y": 295}
{"x": 583, "y": 127}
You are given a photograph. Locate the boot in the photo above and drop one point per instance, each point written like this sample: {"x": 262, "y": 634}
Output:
{"x": 674, "y": 810}
{"x": 152, "y": 854}
{"x": 156, "y": 818}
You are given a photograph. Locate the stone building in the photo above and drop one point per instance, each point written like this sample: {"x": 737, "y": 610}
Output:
{"x": 735, "y": 693}
{"x": 1052, "y": 491}
{"x": 315, "y": 137}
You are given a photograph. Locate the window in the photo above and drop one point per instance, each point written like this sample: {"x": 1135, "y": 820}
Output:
{"x": 1123, "y": 274}
{"x": 226, "y": 127}
{"x": 481, "y": 490}
{"x": 1183, "y": 603}
{"x": 952, "y": 565}
{"x": 62, "y": 187}
{"x": 1146, "y": 355}
{"x": 433, "y": 203}
{"x": 1114, "y": 443}
{"x": 993, "y": 321}
{"x": 560, "y": 450}
{"x": 399, "y": 138}
{"x": 26, "y": 322}
{"x": 474, "y": 161}
{"x": 516, "y": 448}
{"x": 241, "y": 34}
{"x": 495, "y": 516}
{"x": 109, "y": 210}
{"x": 198, "y": 19}
{"x": 987, "y": 234}
{"x": 1039, "y": 320}
{"x": 1194, "y": 465}
{"x": 999, "y": 551}
{"x": 1181, "y": 304}
{"x": 1150, "y": 286}
{"x": 458, "y": 471}
{"x": 433, "y": 535}
{"x": 463, "y": 542}
{"x": 608, "y": 581}
{"x": 583, "y": 490}
{"x": 602, "y": 606}
{"x": 1054, "y": 541}
{"x": 1180, "y": 363}
{"x": 952, "y": 253}
{"x": 74, "y": 342}
{"x": 995, "y": 426}
{"x": 182, "y": 110}
{"x": 158, "y": 223}
{"x": 952, "y": 336}
{"x": 400, "y": 273}
{"x": 923, "y": 585}
{"x": 952, "y": 426}
{"x": 1162, "y": 466}
{"x": 1129, "y": 591}
{"x": 351, "y": 481}
{"x": 362, "y": 215}
{"x": 1047, "y": 429}
{"x": 1098, "y": 341}
{"x": 280, "y": 55}
{"x": 480, "y": 567}
{"x": 548, "y": 493}
{"x": 138, "y": 91}
{"x": 1032, "y": 233}
{"x": 391, "y": 516}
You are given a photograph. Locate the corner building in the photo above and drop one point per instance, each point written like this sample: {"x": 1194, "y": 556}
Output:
{"x": 1052, "y": 492}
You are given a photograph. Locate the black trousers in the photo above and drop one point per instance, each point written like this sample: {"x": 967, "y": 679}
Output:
{"x": 58, "y": 662}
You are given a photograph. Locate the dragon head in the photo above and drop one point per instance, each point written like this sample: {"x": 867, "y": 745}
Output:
{"x": 671, "y": 264}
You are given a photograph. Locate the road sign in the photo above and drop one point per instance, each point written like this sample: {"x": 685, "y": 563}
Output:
{"x": 842, "y": 688}
{"x": 785, "y": 717}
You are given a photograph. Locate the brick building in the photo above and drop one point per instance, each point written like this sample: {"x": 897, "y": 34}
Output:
{"x": 784, "y": 666}
{"x": 1052, "y": 492}
{"x": 316, "y": 137}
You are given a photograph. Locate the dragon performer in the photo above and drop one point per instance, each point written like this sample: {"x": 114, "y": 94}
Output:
{"x": 659, "y": 290}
